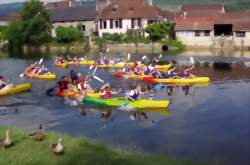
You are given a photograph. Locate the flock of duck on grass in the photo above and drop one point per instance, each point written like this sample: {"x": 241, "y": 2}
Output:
{"x": 38, "y": 135}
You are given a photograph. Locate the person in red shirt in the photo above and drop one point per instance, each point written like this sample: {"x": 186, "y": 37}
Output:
{"x": 106, "y": 92}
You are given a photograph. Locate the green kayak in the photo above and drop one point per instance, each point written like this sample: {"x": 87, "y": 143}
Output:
{"x": 143, "y": 103}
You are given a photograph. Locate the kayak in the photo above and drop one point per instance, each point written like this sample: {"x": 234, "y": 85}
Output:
{"x": 133, "y": 76}
{"x": 177, "y": 80}
{"x": 63, "y": 65}
{"x": 66, "y": 93}
{"x": 143, "y": 103}
{"x": 16, "y": 89}
{"x": 43, "y": 76}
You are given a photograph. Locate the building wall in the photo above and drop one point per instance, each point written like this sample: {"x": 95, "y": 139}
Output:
{"x": 188, "y": 38}
{"x": 4, "y": 23}
{"x": 242, "y": 41}
{"x": 126, "y": 25}
{"x": 89, "y": 26}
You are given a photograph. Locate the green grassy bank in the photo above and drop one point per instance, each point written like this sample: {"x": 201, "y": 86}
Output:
{"x": 77, "y": 151}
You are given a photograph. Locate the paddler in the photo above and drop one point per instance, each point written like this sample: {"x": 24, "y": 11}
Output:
{"x": 2, "y": 83}
{"x": 82, "y": 86}
{"x": 186, "y": 73}
{"x": 134, "y": 94}
{"x": 170, "y": 73}
{"x": 106, "y": 92}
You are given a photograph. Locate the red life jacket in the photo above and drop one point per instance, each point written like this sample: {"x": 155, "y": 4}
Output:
{"x": 106, "y": 94}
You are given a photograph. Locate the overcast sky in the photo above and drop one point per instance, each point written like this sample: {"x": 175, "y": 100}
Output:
{"x": 11, "y": 1}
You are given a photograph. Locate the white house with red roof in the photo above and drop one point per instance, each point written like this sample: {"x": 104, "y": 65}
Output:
{"x": 121, "y": 16}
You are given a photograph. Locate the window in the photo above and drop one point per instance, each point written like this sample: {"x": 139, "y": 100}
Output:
{"x": 116, "y": 24}
{"x": 83, "y": 28}
{"x": 197, "y": 34}
{"x": 207, "y": 33}
{"x": 120, "y": 23}
{"x": 240, "y": 34}
{"x": 104, "y": 24}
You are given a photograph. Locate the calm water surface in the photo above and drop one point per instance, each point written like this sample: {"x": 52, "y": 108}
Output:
{"x": 210, "y": 124}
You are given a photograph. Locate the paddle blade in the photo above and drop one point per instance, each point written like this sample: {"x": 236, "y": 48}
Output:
{"x": 118, "y": 74}
{"x": 91, "y": 67}
{"x": 41, "y": 60}
{"x": 144, "y": 57}
{"x": 191, "y": 60}
{"x": 129, "y": 55}
{"x": 160, "y": 56}
{"x": 107, "y": 50}
{"x": 21, "y": 75}
{"x": 158, "y": 87}
{"x": 99, "y": 79}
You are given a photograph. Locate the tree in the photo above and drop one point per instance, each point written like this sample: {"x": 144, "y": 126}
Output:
{"x": 34, "y": 26}
{"x": 68, "y": 34}
{"x": 158, "y": 31}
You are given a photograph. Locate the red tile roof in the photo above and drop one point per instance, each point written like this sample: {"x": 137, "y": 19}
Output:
{"x": 241, "y": 27}
{"x": 129, "y": 9}
{"x": 202, "y": 7}
{"x": 191, "y": 26}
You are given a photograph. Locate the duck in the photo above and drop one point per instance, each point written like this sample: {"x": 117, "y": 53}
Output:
{"x": 57, "y": 148}
{"x": 38, "y": 135}
{"x": 6, "y": 142}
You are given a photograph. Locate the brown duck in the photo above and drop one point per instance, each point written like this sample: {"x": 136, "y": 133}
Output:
{"x": 57, "y": 148}
{"x": 38, "y": 135}
{"x": 6, "y": 142}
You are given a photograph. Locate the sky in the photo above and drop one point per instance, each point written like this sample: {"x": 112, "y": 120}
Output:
{"x": 11, "y": 1}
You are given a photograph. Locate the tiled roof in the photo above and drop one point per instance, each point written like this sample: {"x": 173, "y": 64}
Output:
{"x": 241, "y": 27}
{"x": 81, "y": 13}
{"x": 202, "y": 7}
{"x": 129, "y": 9}
{"x": 194, "y": 24}
{"x": 10, "y": 16}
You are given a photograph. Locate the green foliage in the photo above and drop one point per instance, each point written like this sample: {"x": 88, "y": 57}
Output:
{"x": 77, "y": 151}
{"x": 114, "y": 38}
{"x": 68, "y": 34}
{"x": 34, "y": 27}
{"x": 3, "y": 32}
{"x": 158, "y": 31}
{"x": 174, "y": 44}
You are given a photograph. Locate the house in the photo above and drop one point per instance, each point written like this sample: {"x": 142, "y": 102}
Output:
{"x": 212, "y": 26}
{"x": 5, "y": 19}
{"x": 81, "y": 16}
{"x": 61, "y": 4}
{"x": 121, "y": 16}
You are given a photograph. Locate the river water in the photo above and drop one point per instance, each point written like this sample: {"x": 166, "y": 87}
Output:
{"x": 208, "y": 124}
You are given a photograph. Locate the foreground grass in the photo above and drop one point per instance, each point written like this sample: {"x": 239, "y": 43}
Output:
{"x": 78, "y": 151}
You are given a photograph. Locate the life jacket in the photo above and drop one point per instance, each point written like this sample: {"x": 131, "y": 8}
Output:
{"x": 135, "y": 95}
{"x": 2, "y": 86}
{"x": 106, "y": 94}
{"x": 62, "y": 85}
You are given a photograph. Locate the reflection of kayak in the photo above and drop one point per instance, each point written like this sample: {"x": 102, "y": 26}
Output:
{"x": 177, "y": 80}
{"x": 42, "y": 76}
{"x": 66, "y": 93}
{"x": 16, "y": 89}
{"x": 143, "y": 103}
{"x": 162, "y": 112}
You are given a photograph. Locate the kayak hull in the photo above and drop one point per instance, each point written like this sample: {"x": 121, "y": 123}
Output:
{"x": 120, "y": 102}
{"x": 16, "y": 89}
{"x": 73, "y": 94}
{"x": 178, "y": 80}
{"x": 45, "y": 76}
{"x": 63, "y": 65}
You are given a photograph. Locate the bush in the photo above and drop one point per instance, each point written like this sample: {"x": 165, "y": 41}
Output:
{"x": 117, "y": 38}
{"x": 158, "y": 31}
{"x": 174, "y": 44}
{"x": 68, "y": 34}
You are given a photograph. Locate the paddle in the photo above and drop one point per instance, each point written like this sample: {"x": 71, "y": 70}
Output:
{"x": 129, "y": 55}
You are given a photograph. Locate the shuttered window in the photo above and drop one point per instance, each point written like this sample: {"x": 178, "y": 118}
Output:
{"x": 120, "y": 23}
{"x": 100, "y": 24}
{"x": 132, "y": 23}
{"x": 111, "y": 23}
{"x": 139, "y": 22}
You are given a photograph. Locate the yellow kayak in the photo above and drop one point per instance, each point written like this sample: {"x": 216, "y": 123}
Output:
{"x": 67, "y": 93}
{"x": 16, "y": 89}
{"x": 63, "y": 65}
{"x": 43, "y": 76}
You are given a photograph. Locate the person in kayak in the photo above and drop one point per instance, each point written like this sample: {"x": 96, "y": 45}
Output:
{"x": 186, "y": 73}
{"x": 63, "y": 84}
{"x": 126, "y": 69}
{"x": 82, "y": 86}
{"x": 106, "y": 92}
{"x": 170, "y": 73}
{"x": 134, "y": 94}
{"x": 157, "y": 74}
{"x": 2, "y": 83}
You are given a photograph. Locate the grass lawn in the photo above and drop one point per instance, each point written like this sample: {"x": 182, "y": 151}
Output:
{"x": 77, "y": 151}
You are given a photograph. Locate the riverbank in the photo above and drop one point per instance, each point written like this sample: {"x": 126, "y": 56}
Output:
{"x": 77, "y": 151}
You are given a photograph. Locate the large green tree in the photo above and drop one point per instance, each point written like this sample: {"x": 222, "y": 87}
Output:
{"x": 34, "y": 26}
{"x": 68, "y": 34}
